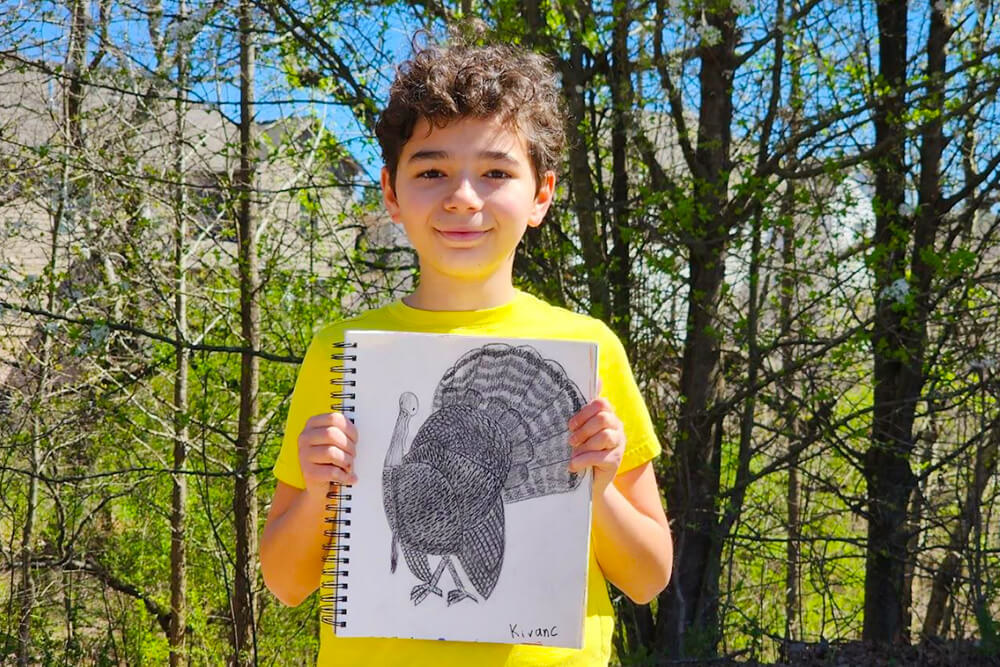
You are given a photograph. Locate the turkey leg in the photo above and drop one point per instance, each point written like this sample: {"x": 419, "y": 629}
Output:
{"x": 420, "y": 591}
{"x": 458, "y": 593}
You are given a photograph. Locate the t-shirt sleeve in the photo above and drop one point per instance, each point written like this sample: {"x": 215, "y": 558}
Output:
{"x": 310, "y": 397}
{"x": 619, "y": 387}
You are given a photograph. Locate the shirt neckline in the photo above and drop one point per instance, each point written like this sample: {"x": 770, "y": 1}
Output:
{"x": 452, "y": 318}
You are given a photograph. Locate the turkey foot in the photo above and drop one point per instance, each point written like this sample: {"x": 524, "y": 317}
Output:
{"x": 421, "y": 591}
{"x": 458, "y": 593}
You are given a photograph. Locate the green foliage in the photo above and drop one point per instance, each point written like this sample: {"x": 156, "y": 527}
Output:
{"x": 99, "y": 415}
{"x": 989, "y": 631}
{"x": 641, "y": 657}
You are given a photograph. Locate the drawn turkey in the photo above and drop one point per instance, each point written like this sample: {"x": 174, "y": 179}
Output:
{"x": 497, "y": 434}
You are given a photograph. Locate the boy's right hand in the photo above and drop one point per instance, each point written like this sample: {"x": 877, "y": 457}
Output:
{"x": 327, "y": 445}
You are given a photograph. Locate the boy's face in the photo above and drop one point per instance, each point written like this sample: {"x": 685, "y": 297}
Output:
{"x": 465, "y": 194}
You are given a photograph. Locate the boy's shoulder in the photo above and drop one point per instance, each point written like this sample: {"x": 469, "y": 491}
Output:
{"x": 541, "y": 319}
{"x": 558, "y": 315}
{"x": 373, "y": 318}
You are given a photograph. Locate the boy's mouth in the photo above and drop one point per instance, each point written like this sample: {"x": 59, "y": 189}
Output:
{"x": 462, "y": 236}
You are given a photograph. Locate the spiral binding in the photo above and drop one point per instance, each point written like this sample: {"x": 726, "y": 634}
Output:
{"x": 333, "y": 588}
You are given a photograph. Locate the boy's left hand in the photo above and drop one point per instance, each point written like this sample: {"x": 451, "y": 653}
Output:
{"x": 597, "y": 437}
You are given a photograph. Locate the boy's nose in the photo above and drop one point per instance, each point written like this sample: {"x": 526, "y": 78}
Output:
{"x": 463, "y": 197}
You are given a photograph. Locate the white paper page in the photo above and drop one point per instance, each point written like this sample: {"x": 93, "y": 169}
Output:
{"x": 540, "y": 594}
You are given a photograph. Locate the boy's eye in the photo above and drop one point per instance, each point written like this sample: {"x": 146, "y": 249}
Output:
{"x": 497, "y": 173}
{"x": 430, "y": 173}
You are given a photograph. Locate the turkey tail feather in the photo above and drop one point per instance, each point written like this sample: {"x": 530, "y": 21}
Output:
{"x": 394, "y": 554}
{"x": 482, "y": 551}
{"x": 531, "y": 399}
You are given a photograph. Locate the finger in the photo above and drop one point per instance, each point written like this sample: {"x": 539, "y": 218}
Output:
{"x": 602, "y": 421}
{"x": 320, "y": 420}
{"x": 329, "y": 456}
{"x": 342, "y": 439}
{"x": 330, "y": 473}
{"x": 328, "y": 435}
{"x": 588, "y": 411}
{"x": 605, "y": 439}
{"x": 606, "y": 459}
{"x": 348, "y": 428}
{"x": 334, "y": 420}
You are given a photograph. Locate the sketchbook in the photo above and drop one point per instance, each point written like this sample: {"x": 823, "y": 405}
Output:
{"x": 465, "y": 523}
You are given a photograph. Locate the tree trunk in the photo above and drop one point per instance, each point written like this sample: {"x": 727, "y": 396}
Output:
{"x": 958, "y": 540}
{"x": 792, "y": 551}
{"x": 72, "y": 102}
{"x": 244, "y": 496}
{"x": 688, "y": 620}
{"x": 918, "y": 503}
{"x": 887, "y": 470}
{"x": 785, "y": 324}
{"x": 584, "y": 198}
{"x": 35, "y": 452}
{"x": 178, "y": 500}
{"x": 619, "y": 268}
{"x": 902, "y": 310}
{"x": 941, "y": 603}
{"x": 27, "y": 596}
{"x": 75, "y": 64}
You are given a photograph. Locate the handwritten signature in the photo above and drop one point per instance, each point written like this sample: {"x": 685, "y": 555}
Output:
{"x": 534, "y": 632}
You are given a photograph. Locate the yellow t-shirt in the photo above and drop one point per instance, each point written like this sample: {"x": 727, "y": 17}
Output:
{"x": 524, "y": 317}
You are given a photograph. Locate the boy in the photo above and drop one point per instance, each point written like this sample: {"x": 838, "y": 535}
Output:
{"x": 471, "y": 139}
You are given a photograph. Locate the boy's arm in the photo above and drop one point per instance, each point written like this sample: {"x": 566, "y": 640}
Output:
{"x": 631, "y": 535}
{"x": 291, "y": 547}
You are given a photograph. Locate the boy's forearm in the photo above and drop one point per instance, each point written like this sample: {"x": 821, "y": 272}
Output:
{"x": 291, "y": 549}
{"x": 634, "y": 550}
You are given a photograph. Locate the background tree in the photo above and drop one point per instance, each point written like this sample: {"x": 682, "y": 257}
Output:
{"x": 787, "y": 211}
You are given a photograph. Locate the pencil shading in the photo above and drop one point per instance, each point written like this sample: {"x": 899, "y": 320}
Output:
{"x": 497, "y": 434}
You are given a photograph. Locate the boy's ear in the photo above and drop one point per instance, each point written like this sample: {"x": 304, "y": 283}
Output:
{"x": 543, "y": 198}
{"x": 389, "y": 195}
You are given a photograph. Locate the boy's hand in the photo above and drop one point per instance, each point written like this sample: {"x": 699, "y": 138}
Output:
{"x": 597, "y": 437}
{"x": 326, "y": 452}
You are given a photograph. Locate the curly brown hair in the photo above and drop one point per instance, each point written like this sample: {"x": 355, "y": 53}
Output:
{"x": 446, "y": 83}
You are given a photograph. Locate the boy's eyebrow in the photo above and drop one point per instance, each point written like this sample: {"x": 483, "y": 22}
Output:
{"x": 502, "y": 156}
{"x": 428, "y": 155}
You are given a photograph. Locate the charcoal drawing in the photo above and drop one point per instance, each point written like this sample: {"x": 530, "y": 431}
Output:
{"x": 497, "y": 434}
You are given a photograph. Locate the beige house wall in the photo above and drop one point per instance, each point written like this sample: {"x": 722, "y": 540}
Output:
{"x": 125, "y": 143}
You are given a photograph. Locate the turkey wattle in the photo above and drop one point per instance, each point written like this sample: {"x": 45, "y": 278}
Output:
{"x": 497, "y": 434}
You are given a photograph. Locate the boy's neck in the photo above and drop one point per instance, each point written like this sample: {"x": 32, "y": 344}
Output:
{"x": 450, "y": 295}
